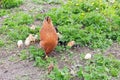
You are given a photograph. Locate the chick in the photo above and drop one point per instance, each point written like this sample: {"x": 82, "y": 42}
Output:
{"x": 31, "y": 38}
{"x": 71, "y": 43}
{"x": 27, "y": 42}
{"x": 59, "y": 35}
{"x": 19, "y": 43}
{"x": 36, "y": 37}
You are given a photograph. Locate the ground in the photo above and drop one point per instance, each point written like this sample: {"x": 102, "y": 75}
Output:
{"x": 13, "y": 68}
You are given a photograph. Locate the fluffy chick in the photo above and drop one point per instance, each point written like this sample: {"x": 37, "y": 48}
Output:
{"x": 19, "y": 43}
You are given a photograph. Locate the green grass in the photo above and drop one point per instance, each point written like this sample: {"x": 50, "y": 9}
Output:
{"x": 97, "y": 68}
{"x": 23, "y": 55}
{"x": 19, "y": 18}
{"x": 16, "y": 32}
{"x": 10, "y": 3}
{"x": 1, "y": 43}
{"x": 100, "y": 67}
{"x": 39, "y": 56}
{"x": 4, "y": 12}
{"x": 60, "y": 74}
{"x": 90, "y": 23}
{"x": 20, "y": 32}
{"x": 16, "y": 26}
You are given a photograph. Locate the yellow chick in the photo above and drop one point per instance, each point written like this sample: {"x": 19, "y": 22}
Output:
{"x": 71, "y": 43}
{"x": 27, "y": 42}
{"x": 31, "y": 38}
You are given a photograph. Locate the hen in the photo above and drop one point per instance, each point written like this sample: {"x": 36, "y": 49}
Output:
{"x": 48, "y": 36}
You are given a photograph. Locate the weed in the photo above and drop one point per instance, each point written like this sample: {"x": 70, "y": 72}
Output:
{"x": 18, "y": 33}
{"x": 39, "y": 17}
{"x": 3, "y": 29}
{"x": 12, "y": 58}
{"x": 4, "y": 12}
{"x": 16, "y": 26}
{"x": 1, "y": 43}
{"x": 100, "y": 67}
{"x": 60, "y": 48}
{"x": 19, "y": 18}
{"x": 10, "y": 3}
{"x": 38, "y": 55}
{"x": 60, "y": 74}
{"x": 23, "y": 55}
{"x": 89, "y": 23}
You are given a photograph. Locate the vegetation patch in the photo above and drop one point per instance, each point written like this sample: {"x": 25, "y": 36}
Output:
{"x": 4, "y": 12}
{"x": 19, "y": 18}
{"x": 10, "y": 3}
{"x": 100, "y": 67}
{"x": 90, "y": 23}
{"x": 39, "y": 56}
{"x": 17, "y": 27}
{"x": 1, "y": 43}
{"x": 60, "y": 74}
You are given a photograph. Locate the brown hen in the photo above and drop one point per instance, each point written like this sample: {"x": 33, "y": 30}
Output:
{"x": 48, "y": 36}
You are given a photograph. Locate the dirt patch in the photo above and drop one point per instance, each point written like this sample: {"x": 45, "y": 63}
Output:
{"x": 2, "y": 19}
{"x": 12, "y": 69}
{"x": 19, "y": 70}
{"x": 114, "y": 49}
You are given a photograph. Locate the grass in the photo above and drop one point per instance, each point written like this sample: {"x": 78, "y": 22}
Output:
{"x": 4, "y": 12}
{"x": 23, "y": 55}
{"x": 16, "y": 26}
{"x": 92, "y": 23}
{"x": 38, "y": 55}
{"x": 97, "y": 68}
{"x": 10, "y": 3}
{"x": 1, "y": 43}
{"x": 19, "y": 18}
{"x": 100, "y": 67}
{"x": 60, "y": 74}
